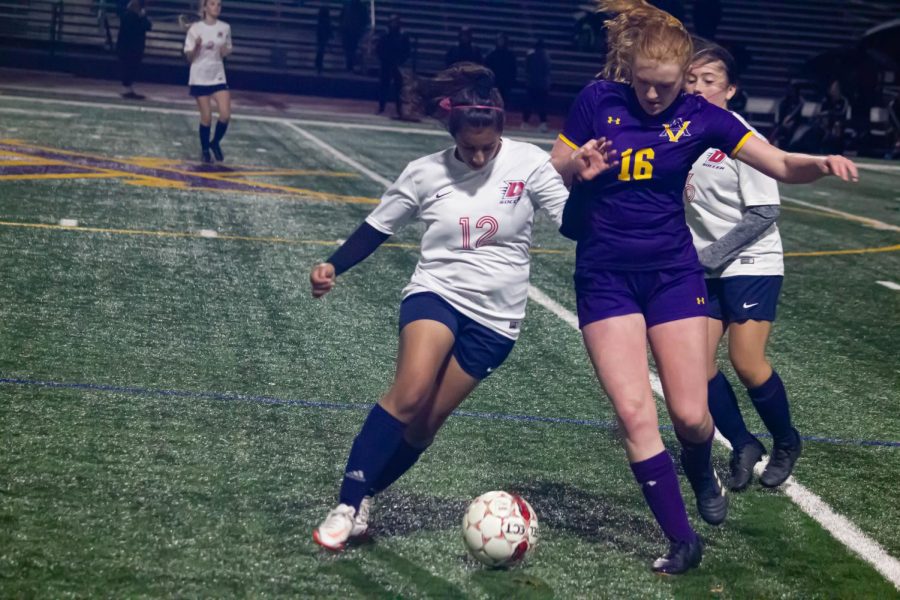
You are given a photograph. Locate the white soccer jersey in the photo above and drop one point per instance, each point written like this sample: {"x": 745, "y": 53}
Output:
{"x": 475, "y": 249}
{"x": 717, "y": 193}
{"x": 208, "y": 68}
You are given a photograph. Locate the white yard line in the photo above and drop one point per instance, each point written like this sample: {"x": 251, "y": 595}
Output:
{"x": 257, "y": 118}
{"x": 838, "y": 526}
{"x": 46, "y": 113}
{"x": 889, "y": 285}
{"x": 873, "y": 223}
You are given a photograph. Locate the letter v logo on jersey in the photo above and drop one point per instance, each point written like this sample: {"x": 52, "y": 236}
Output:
{"x": 512, "y": 192}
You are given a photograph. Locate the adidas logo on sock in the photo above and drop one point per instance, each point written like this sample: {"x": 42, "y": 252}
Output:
{"x": 357, "y": 475}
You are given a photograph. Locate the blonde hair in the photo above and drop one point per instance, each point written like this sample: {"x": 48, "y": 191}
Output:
{"x": 642, "y": 29}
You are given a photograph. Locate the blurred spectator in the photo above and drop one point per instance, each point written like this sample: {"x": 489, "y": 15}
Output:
{"x": 393, "y": 51}
{"x": 894, "y": 121}
{"x": 502, "y": 62}
{"x": 353, "y": 21}
{"x": 832, "y": 119}
{"x": 464, "y": 50}
{"x": 537, "y": 84}
{"x": 707, "y": 16}
{"x": 133, "y": 29}
{"x": 323, "y": 36}
{"x": 788, "y": 116}
{"x": 590, "y": 35}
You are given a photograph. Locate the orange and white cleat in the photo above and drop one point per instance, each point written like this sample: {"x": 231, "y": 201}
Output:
{"x": 341, "y": 524}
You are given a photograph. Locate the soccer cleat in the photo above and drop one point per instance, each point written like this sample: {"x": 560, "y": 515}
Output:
{"x": 341, "y": 524}
{"x": 784, "y": 456}
{"x": 217, "y": 151}
{"x": 743, "y": 460}
{"x": 682, "y": 556}
{"x": 712, "y": 503}
{"x": 205, "y": 157}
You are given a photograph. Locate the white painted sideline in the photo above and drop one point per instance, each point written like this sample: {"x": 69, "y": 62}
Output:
{"x": 889, "y": 284}
{"x": 257, "y": 118}
{"x": 838, "y": 526}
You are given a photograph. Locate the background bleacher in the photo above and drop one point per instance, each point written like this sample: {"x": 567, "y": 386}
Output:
{"x": 275, "y": 39}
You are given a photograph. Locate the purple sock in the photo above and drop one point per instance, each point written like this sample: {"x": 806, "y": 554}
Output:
{"x": 373, "y": 447}
{"x": 725, "y": 412}
{"x": 770, "y": 400}
{"x": 659, "y": 483}
{"x": 403, "y": 460}
{"x": 696, "y": 460}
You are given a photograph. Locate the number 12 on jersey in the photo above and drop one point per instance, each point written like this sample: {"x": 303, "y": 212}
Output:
{"x": 487, "y": 222}
{"x": 643, "y": 169}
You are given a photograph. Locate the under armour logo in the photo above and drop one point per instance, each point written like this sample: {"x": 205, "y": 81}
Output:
{"x": 615, "y": 120}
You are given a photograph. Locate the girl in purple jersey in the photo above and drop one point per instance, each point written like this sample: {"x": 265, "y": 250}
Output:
{"x": 732, "y": 210}
{"x": 637, "y": 276}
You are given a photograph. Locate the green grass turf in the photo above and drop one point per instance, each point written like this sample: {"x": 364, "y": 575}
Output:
{"x": 129, "y": 494}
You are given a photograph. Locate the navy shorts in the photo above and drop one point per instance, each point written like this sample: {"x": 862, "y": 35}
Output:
{"x": 661, "y": 296}
{"x": 478, "y": 350}
{"x": 744, "y": 297}
{"x": 207, "y": 90}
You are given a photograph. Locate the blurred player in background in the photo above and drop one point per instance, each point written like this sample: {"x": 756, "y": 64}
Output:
{"x": 462, "y": 311}
{"x": 637, "y": 276}
{"x": 208, "y": 41}
{"x": 732, "y": 211}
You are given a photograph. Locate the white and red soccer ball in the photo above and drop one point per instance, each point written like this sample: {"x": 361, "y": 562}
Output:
{"x": 500, "y": 529}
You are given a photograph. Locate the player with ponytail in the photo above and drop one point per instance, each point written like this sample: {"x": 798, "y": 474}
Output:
{"x": 637, "y": 275}
{"x": 461, "y": 312}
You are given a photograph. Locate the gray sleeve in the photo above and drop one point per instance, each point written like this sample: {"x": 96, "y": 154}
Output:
{"x": 754, "y": 223}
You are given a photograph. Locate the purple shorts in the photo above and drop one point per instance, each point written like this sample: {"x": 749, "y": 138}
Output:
{"x": 661, "y": 295}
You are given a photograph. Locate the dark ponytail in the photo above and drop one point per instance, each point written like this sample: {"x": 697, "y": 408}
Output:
{"x": 465, "y": 95}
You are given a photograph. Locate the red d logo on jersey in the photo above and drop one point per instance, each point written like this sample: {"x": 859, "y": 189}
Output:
{"x": 717, "y": 157}
{"x": 512, "y": 192}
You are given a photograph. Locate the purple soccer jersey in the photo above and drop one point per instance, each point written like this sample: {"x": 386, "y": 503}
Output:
{"x": 635, "y": 213}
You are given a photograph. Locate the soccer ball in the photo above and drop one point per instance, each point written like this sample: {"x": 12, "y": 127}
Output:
{"x": 500, "y": 529}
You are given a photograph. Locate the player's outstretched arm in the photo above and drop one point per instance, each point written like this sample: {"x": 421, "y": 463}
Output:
{"x": 789, "y": 167}
{"x": 361, "y": 243}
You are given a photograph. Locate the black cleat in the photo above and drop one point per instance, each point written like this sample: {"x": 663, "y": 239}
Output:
{"x": 784, "y": 455}
{"x": 217, "y": 151}
{"x": 743, "y": 460}
{"x": 205, "y": 157}
{"x": 712, "y": 503}
{"x": 682, "y": 556}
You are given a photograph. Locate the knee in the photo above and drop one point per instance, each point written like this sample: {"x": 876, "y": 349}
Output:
{"x": 753, "y": 372}
{"x": 692, "y": 422}
{"x": 637, "y": 417}
{"x": 406, "y": 401}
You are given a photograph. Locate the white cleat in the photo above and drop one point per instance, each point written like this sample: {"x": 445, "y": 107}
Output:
{"x": 341, "y": 524}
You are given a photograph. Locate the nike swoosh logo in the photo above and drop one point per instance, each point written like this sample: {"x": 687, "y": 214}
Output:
{"x": 750, "y": 305}
{"x": 439, "y": 196}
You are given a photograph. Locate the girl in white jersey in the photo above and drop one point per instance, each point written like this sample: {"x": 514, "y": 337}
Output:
{"x": 462, "y": 311}
{"x": 731, "y": 210}
{"x": 208, "y": 41}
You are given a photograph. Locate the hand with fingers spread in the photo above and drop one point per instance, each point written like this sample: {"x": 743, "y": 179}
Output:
{"x": 595, "y": 157}
{"x": 840, "y": 166}
{"x": 322, "y": 279}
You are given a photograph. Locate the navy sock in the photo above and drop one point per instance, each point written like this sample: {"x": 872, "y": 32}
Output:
{"x": 221, "y": 128}
{"x": 696, "y": 459}
{"x": 403, "y": 460}
{"x": 659, "y": 483}
{"x": 373, "y": 447}
{"x": 725, "y": 412}
{"x": 204, "y": 137}
{"x": 770, "y": 400}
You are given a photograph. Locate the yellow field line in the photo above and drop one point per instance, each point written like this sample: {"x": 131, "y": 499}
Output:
{"x": 289, "y": 173}
{"x": 893, "y": 248}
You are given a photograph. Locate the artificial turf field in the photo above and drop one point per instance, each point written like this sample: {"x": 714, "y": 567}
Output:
{"x": 176, "y": 410}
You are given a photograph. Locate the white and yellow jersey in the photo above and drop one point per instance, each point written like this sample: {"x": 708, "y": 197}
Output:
{"x": 475, "y": 249}
{"x": 207, "y": 68}
{"x": 717, "y": 193}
